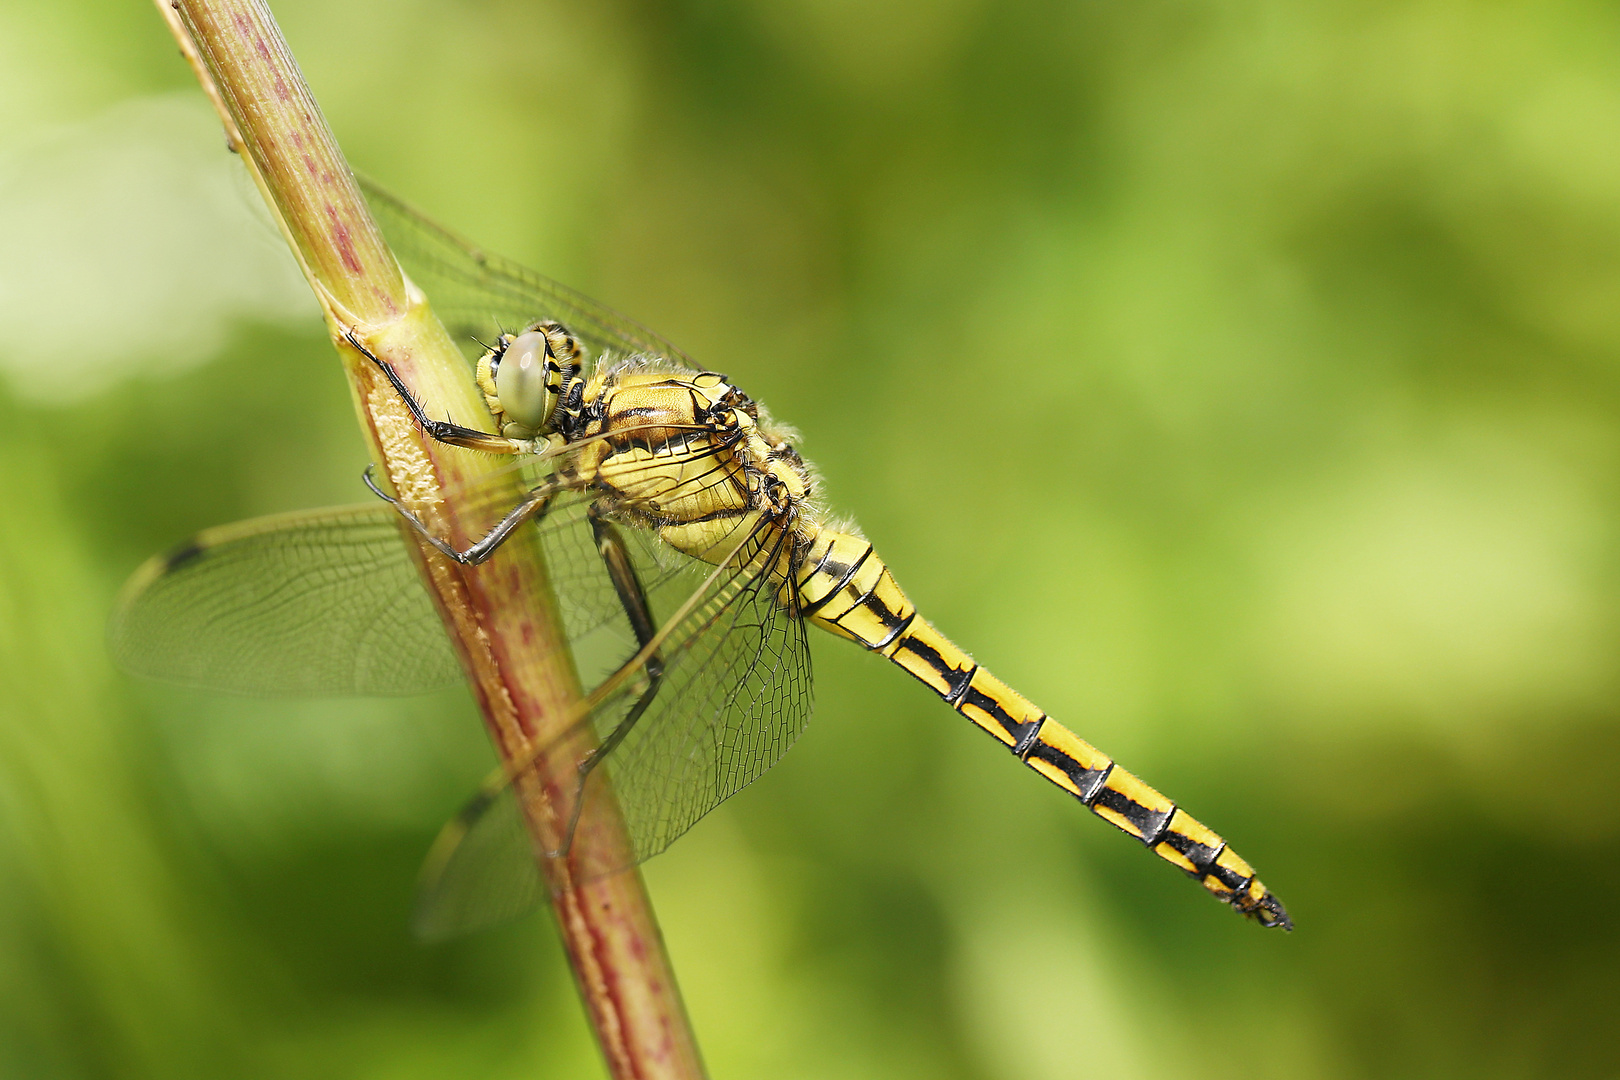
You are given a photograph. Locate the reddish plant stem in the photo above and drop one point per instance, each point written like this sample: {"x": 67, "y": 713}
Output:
{"x": 500, "y": 616}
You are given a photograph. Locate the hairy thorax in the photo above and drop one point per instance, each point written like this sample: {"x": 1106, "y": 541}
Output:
{"x": 688, "y": 455}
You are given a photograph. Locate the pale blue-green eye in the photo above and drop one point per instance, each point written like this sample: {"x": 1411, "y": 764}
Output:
{"x": 520, "y": 381}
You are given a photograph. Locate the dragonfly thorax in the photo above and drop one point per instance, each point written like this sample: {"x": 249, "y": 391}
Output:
{"x": 688, "y": 455}
{"x": 524, "y": 377}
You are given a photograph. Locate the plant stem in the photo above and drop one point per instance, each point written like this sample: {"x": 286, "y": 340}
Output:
{"x": 501, "y": 615}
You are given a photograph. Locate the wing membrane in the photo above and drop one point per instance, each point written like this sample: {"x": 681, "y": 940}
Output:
{"x": 480, "y": 294}
{"x": 328, "y": 602}
{"x": 483, "y": 871}
{"x": 316, "y": 602}
{"x": 734, "y": 697}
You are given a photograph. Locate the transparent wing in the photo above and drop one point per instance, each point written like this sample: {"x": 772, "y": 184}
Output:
{"x": 316, "y": 602}
{"x": 734, "y": 696}
{"x": 482, "y": 872}
{"x": 328, "y": 601}
{"x": 325, "y": 602}
{"x": 478, "y": 294}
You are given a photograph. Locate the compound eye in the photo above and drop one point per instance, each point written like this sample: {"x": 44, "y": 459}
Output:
{"x": 520, "y": 381}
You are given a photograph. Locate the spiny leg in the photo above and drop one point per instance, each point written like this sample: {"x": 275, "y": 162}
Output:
{"x": 633, "y": 598}
{"x": 443, "y": 431}
{"x": 534, "y": 504}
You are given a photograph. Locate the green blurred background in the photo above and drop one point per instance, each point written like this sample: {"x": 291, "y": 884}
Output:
{"x": 1240, "y": 381}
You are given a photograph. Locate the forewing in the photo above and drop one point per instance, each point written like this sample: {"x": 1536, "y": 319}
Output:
{"x": 315, "y": 602}
{"x": 734, "y": 696}
{"x": 329, "y": 601}
{"x": 479, "y": 294}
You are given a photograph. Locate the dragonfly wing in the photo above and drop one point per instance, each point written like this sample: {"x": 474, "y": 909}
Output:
{"x": 482, "y": 872}
{"x": 329, "y": 602}
{"x": 733, "y": 698}
{"x": 479, "y": 294}
{"x": 314, "y": 602}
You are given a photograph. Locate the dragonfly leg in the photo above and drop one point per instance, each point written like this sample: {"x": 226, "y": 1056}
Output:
{"x": 533, "y": 505}
{"x": 439, "y": 430}
{"x": 616, "y": 557}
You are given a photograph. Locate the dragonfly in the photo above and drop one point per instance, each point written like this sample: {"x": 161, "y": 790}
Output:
{"x": 690, "y": 553}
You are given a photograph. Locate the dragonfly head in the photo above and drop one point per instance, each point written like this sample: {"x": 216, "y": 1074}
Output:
{"x": 523, "y": 378}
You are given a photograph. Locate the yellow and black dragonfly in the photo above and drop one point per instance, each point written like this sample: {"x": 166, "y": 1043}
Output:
{"x": 689, "y": 551}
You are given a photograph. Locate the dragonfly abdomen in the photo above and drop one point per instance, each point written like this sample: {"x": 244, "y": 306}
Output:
{"x": 1118, "y": 797}
{"x": 845, "y": 588}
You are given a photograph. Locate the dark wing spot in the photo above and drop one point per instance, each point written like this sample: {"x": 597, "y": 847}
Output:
{"x": 181, "y": 555}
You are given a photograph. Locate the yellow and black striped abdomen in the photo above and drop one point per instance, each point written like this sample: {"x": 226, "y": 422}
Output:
{"x": 844, "y": 587}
